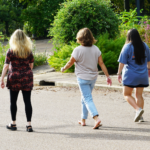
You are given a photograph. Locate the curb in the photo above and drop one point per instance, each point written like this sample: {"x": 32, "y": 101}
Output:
{"x": 75, "y": 84}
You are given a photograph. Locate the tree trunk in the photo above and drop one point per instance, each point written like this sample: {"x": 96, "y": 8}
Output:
{"x": 126, "y": 5}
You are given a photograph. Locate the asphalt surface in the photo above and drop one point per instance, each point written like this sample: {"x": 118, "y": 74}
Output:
{"x": 56, "y": 111}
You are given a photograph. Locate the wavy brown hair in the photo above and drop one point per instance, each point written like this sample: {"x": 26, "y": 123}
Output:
{"x": 85, "y": 37}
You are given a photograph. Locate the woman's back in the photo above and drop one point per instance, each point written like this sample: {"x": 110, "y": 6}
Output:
{"x": 20, "y": 76}
{"x": 128, "y": 58}
{"x": 18, "y": 64}
{"x": 86, "y": 61}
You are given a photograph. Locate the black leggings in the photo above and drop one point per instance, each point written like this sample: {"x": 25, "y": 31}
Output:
{"x": 27, "y": 101}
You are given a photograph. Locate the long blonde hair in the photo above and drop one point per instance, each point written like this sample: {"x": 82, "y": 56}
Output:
{"x": 20, "y": 44}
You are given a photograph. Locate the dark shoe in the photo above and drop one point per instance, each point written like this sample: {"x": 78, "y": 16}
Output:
{"x": 29, "y": 129}
{"x": 11, "y": 127}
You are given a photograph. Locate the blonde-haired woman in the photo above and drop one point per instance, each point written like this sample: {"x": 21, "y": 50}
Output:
{"x": 86, "y": 57}
{"x": 19, "y": 60}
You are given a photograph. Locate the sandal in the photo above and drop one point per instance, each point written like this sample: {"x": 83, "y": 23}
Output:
{"x": 11, "y": 127}
{"x": 29, "y": 129}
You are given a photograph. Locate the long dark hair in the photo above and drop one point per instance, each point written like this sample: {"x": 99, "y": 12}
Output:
{"x": 139, "y": 47}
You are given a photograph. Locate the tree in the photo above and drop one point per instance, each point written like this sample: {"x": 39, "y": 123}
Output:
{"x": 39, "y": 15}
{"x": 130, "y": 4}
{"x": 10, "y": 15}
{"x": 74, "y": 15}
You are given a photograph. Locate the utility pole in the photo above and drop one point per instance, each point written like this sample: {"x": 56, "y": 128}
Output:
{"x": 126, "y": 5}
{"x": 138, "y": 7}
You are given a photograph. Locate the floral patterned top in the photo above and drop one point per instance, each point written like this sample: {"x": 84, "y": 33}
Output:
{"x": 20, "y": 75}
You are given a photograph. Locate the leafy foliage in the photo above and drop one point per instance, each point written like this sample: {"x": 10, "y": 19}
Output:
{"x": 39, "y": 15}
{"x": 129, "y": 19}
{"x": 62, "y": 56}
{"x": 144, "y": 31}
{"x": 10, "y": 12}
{"x": 76, "y": 14}
{"x": 110, "y": 49}
{"x": 40, "y": 59}
{"x": 1, "y": 37}
{"x": 119, "y": 5}
{"x": 3, "y": 50}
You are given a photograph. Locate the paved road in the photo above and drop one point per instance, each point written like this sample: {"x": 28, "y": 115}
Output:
{"x": 56, "y": 111}
{"x": 42, "y": 46}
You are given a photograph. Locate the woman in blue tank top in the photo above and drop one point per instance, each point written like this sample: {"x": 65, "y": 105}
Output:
{"x": 134, "y": 63}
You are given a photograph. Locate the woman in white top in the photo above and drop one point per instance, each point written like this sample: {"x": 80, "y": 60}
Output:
{"x": 86, "y": 57}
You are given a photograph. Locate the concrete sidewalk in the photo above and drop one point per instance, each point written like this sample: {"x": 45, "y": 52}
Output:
{"x": 44, "y": 75}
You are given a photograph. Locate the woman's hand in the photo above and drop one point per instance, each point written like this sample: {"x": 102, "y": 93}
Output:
{"x": 119, "y": 78}
{"x": 2, "y": 84}
{"x": 62, "y": 69}
{"x": 109, "y": 82}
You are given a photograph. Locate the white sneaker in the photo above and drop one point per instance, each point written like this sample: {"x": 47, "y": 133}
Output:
{"x": 141, "y": 119}
{"x": 138, "y": 114}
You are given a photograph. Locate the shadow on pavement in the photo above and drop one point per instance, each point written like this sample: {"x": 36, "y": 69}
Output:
{"x": 103, "y": 133}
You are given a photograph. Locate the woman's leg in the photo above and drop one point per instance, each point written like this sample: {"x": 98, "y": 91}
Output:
{"x": 139, "y": 97}
{"x": 86, "y": 87}
{"x": 13, "y": 105}
{"x": 127, "y": 92}
{"x": 28, "y": 106}
{"x": 97, "y": 120}
{"x": 84, "y": 114}
{"x": 128, "y": 96}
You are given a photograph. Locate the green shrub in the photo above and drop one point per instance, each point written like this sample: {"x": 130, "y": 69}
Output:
{"x": 38, "y": 15}
{"x": 1, "y": 37}
{"x": 3, "y": 50}
{"x": 39, "y": 59}
{"x": 76, "y": 14}
{"x": 62, "y": 56}
{"x": 130, "y": 19}
{"x": 110, "y": 49}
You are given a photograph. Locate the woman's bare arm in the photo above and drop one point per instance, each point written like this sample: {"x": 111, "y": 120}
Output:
{"x": 148, "y": 65}
{"x": 121, "y": 65}
{"x": 102, "y": 65}
{"x": 31, "y": 65}
{"x": 69, "y": 63}
{"x": 5, "y": 68}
